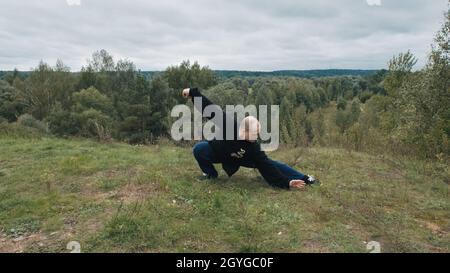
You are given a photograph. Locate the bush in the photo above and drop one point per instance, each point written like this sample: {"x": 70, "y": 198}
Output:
{"x": 365, "y": 96}
{"x": 341, "y": 103}
{"x": 95, "y": 124}
{"x": 137, "y": 138}
{"x": 91, "y": 98}
{"x": 64, "y": 123}
{"x": 129, "y": 125}
{"x": 16, "y": 130}
{"x": 28, "y": 120}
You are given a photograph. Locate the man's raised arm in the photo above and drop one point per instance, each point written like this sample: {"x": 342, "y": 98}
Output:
{"x": 205, "y": 102}
{"x": 195, "y": 93}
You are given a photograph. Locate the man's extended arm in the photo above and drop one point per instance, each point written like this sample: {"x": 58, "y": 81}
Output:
{"x": 205, "y": 102}
{"x": 195, "y": 93}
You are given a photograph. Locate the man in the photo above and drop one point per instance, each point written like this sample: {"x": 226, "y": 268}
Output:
{"x": 242, "y": 151}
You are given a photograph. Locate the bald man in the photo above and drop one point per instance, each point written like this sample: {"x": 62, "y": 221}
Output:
{"x": 243, "y": 150}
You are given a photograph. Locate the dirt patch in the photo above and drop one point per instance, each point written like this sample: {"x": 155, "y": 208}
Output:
{"x": 435, "y": 229}
{"x": 131, "y": 193}
{"x": 315, "y": 247}
{"x": 21, "y": 243}
{"x": 93, "y": 225}
{"x": 91, "y": 185}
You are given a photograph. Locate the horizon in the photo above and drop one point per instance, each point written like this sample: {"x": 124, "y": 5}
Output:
{"x": 229, "y": 70}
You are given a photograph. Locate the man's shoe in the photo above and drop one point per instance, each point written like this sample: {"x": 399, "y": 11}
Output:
{"x": 310, "y": 180}
{"x": 206, "y": 177}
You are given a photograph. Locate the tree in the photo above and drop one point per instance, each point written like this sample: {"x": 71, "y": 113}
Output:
{"x": 44, "y": 88}
{"x": 63, "y": 84}
{"x": 187, "y": 75}
{"x": 101, "y": 61}
{"x": 95, "y": 124}
{"x": 341, "y": 103}
{"x": 10, "y": 108}
{"x": 99, "y": 72}
{"x": 161, "y": 101}
{"x": 37, "y": 94}
{"x": 424, "y": 101}
{"x": 91, "y": 116}
{"x": 400, "y": 68}
{"x": 10, "y": 77}
{"x": 301, "y": 129}
{"x": 91, "y": 98}
{"x": 346, "y": 118}
{"x": 64, "y": 123}
{"x": 226, "y": 94}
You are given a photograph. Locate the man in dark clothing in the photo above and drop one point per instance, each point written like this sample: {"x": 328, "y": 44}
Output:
{"x": 242, "y": 151}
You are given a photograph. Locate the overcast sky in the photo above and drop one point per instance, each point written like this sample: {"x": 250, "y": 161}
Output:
{"x": 223, "y": 34}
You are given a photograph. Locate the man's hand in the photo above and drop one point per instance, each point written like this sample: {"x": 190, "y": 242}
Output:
{"x": 185, "y": 93}
{"x": 297, "y": 184}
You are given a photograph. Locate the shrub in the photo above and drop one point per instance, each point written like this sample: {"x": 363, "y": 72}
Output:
{"x": 64, "y": 123}
{"x": 95, "y": 124}
{"x": 341, "y": 103}
{"x": 16, "y": 130}
{"x": 28, "y": 120}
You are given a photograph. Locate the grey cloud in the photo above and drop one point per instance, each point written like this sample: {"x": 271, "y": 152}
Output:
{"x": 224, "y": 34}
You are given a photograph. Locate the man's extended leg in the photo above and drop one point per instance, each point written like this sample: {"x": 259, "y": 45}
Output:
{"x": 290, "y": 172}
{"x": 294, "y": 174}
{"x": 205, "y": 158}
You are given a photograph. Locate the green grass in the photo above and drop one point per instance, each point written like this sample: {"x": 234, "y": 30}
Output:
{"x": 121, "y": 198}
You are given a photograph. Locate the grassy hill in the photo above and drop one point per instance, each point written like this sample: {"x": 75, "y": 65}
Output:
{"x": 116, "y": 197}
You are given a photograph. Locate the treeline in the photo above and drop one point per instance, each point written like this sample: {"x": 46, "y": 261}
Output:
{"x": 109, "y": 99}
{"x": 296, "y": 73}
{"x": 236, "y": 73}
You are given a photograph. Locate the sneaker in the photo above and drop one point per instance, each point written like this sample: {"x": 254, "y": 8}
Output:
{"x": 206, "y": 177}
{"x": 312, "y": 181}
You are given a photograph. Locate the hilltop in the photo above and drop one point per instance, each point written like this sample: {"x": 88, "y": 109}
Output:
{"x": 115, "y": 197}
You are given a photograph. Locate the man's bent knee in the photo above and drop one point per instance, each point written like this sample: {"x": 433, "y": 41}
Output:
{"x": 197, "y": 150}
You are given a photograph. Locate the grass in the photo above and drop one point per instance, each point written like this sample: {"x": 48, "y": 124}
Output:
{"x": 120, "y": 198}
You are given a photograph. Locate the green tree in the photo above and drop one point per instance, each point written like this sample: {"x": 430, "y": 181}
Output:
{"x": 10, "y": 108}
{"x": 346, "y": 118}
{"x": 400, "y": 68}
{"x": 424, "y": 101}
{"x": 341, "y": 103}
{"x": 90, "y": 116}
{"x": 64, "y": 123}
{"x": 91, "y": 98}
{"x": 187, "y": 75}
{"x": 36, "y": 94}
{"x": 44, "y": 88}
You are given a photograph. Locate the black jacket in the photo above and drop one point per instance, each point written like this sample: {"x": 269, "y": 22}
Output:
{"x": 235, "y": 153}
